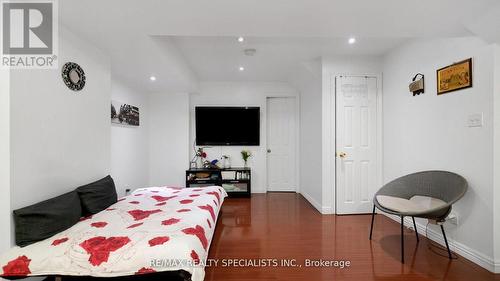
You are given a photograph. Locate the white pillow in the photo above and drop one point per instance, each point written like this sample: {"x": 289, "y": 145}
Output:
{"x": 416, "y": 204}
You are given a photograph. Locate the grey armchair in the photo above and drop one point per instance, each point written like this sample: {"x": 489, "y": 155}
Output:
{"x": 427, "y": 194}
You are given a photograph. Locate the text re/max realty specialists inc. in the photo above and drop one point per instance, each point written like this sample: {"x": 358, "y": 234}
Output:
{"x": 263, "y": 262}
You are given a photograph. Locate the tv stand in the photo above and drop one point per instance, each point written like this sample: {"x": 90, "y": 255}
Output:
{"x": 236, "y": 181}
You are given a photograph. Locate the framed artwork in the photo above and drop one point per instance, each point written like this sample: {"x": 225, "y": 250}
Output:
{"x": 125, "y": 114}
{"x": 454, "y": 77}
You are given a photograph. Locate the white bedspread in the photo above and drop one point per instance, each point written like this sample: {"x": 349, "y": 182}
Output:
{"x": 152, "y": 230}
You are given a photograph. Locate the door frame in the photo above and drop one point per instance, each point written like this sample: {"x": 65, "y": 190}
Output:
{"x": 297, "y": 139}
{"x": 379, "y": 130}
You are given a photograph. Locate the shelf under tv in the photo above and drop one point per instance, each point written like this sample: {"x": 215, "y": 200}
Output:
{"x": 239, "y": 185}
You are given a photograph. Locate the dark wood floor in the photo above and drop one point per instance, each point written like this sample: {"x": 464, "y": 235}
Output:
{"x": 286, "y": 226}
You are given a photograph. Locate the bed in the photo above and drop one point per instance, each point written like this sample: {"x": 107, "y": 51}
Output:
{"x": 152, "y": 231}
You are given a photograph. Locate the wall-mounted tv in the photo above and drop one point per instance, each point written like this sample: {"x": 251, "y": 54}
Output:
{"x": 227, "y": 125}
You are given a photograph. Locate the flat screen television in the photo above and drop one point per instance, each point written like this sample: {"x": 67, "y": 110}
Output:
{"x": 227, "y": 125}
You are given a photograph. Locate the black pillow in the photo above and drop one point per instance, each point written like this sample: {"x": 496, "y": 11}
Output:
{"x": 97, "y": 196}
{"x": 45, "y": 219}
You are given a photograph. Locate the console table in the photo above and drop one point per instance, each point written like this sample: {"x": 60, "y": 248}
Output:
{"x": 236, "y": 181}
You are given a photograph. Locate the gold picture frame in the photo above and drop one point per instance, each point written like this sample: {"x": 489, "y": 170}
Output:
{"x": 454, "y": 77}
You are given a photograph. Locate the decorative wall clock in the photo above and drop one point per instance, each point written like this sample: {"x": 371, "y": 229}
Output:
{"x": 73, "y": 76}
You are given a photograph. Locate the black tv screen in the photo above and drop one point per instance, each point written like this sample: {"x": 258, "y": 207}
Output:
{"x": 227, "y": 125}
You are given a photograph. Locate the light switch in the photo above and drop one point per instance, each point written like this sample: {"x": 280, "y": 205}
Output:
{"x": 475, "y": 120}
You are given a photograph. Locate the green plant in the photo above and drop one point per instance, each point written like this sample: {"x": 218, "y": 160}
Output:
{"x": 245, "y": 154}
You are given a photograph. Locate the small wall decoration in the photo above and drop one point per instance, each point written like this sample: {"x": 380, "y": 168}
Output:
{"x": 454, "y": 77}
{"x": 122, "y": 113}
{"x": 417, "y": 87}
{"x": 73, "y": 76}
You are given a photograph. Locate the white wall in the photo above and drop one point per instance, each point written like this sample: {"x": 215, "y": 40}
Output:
{"x": 496, "y": 163}
{"x": 429, "y": 132}
{"x": 168, "y": 138}
{"x": 307, "y": 80}
{"x": 59, "y": 138}
{"x": 240, "y": 94}
{"x": 332, "y": 66}
{"x": 130, "y": 144}
{"x": 5, "y": 211}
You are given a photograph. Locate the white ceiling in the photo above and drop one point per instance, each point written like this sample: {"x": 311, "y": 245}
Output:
{"x": 218, "y": 58}
{"x": 137, "y": 34}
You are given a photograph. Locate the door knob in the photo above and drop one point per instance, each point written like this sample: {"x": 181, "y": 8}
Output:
{"x": 342, "y": 154}
{"x": 268, "y": 150}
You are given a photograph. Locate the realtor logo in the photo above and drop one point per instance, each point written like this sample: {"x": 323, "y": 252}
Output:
{"x": 29, "y": 34}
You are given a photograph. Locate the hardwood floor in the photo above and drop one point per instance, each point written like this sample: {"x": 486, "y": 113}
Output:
{"x": 285, "y": 226}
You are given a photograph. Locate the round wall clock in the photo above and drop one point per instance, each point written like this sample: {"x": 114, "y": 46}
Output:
{"x": 73, "y": 76}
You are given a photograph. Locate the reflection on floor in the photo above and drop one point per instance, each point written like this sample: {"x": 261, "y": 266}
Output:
{"x": 284, "y": 226}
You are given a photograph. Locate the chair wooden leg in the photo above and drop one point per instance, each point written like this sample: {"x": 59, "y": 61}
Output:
{"x": 415, "y": 227}
{"x": 402, "y": 241}
{"x": 373, "y": 218}
{"x": 446, "y": 242}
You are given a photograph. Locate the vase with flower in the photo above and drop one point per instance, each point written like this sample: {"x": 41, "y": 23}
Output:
{"x": 246, "y": 154}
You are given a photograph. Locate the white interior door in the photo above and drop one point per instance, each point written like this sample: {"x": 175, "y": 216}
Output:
{"x": 281, "y": 144}
{"x": 356, "y": 143}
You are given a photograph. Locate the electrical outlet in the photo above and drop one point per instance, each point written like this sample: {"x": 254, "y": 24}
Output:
{"x": 452, "y": 218}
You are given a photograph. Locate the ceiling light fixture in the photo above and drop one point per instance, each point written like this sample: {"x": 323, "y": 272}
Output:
{"x": 352, "y": 40}
{"x": 241, "y": 39}
{"x": 152, "y": 78}
{"x": 241, "y": 68}
{"x": 249, "y": 52}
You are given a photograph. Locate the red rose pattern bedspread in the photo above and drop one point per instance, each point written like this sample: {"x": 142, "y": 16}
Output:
{"x": 141, "y": 233}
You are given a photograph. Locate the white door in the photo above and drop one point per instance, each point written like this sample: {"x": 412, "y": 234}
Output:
{"x": 281, "y": 138}
{"x": 356, "y": 143}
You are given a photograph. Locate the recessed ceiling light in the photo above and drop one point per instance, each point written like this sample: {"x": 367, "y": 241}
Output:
{"x": 241, "y": 39}
{"x": 352, "y": 40}
{"x": 152, "y": 78}
{"x": 241, "y": 68}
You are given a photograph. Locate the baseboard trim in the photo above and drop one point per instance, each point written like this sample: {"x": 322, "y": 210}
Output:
{"x": 313, "y": 202}
{"x": 470, "y": 254}
{"x": 258, "y": 191}
{"x": 327, "y": 211}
